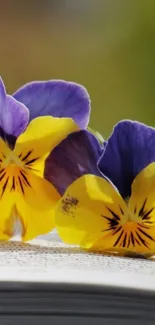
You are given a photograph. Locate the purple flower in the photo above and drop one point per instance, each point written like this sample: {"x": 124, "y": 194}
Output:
{"x": 78, "y": 154}
{"x": 129, "y": 149}
{"x": 94, "y": 215}
{"x": 56, "y": 98}
{"x": 32, "y": 123}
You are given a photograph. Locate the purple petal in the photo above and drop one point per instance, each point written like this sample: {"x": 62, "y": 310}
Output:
{"x": 57, "y": 98}
{"x": 77, "y": 155}
{"x": 130, "y": 148}
{"x": 14, "y": 116}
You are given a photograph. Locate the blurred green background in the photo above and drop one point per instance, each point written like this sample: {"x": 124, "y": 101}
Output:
{"x": 106, "y": 45}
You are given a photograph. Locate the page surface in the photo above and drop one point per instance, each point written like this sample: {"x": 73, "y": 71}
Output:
{"x": 47, "y": 259}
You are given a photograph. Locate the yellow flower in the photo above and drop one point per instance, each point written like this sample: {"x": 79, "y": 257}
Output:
{"x": 24, "y": 193}
{"x": 93, "y": 214}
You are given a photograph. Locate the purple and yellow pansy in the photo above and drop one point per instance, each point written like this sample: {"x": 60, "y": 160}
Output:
{"x": 114, "y": 211}
{"x": 99, "y": 195}
{"x": 32, "y": 123}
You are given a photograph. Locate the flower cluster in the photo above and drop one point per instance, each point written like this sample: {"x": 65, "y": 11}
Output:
{"x": 98, "y": 194}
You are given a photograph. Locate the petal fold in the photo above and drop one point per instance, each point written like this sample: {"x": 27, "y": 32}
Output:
{"x": 75, "y": 156}
{"x": 41, "y": 137}
{"x": 56, "y": 98}
{"x": 129, "y": 149}
{"x": 14, "y": 116}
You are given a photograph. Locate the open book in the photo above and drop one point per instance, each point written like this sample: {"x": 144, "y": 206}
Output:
{"x": 46, "y": 282}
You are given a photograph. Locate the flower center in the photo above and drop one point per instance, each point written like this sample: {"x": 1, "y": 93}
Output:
{"x": 12, "y": 159}
{"x": 132, "y": 235}
{"x": 131, "y": 228}
{"x": 14, "y": 171}
{"x": 130, "y": 217}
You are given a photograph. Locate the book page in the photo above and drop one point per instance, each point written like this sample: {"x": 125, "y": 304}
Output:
{"x": 47, "y": 259}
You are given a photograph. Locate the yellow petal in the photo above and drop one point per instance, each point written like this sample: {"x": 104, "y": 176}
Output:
{"x": 138, "y": 233}
{"x": 35, "y": 206}
{"x": 143, "y": 195}
{"x": 89, "y": 209}
{"x": 41, "y": 136}
{"x": 131, "y": 237}
{"x": 6, "y": 210}
{"x": 142, "y": 209}
{"x": 6, "y": 199}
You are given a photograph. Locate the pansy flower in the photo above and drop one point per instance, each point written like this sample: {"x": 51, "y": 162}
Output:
{"x": 115, "y": 212}
{"x": 32, "y": 123}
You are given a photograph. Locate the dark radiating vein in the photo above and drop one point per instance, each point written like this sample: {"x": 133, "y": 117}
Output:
{"x": 21, "y": 185}
{"x": 132, "y": 239}
{"x": 141, "y": 211}
{"x": 4, "y": 186}
{"x": 137, "y": 241}
{"x": 146, "y": 215}
{"x": 13, "y": 184}
{"x": 112, "y": 222}
{"x": 31, "y": 168}
{"x": 124, "y": 240}
{"x": 31, "y": 161}
{"x": 114, "y": 214}
{"x": 150, "y": 222}
{"x": 118, "y": 239}
{"x": 141, "y": 239}
{"x": 145, "y": 234}
{"x": 128, "y": 242}
{"x": 25, "y": 178}
{"x": 121, "y": 210}
{"x": 27, "y": 155}
{"x": 143, "y": 226}
{"x": 117, "y": 230}
{"x": 2, "y": 176}
{"x": 23, "y": 171}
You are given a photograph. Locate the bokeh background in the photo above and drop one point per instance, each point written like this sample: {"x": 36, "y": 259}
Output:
{"x": 106, "y": 45}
